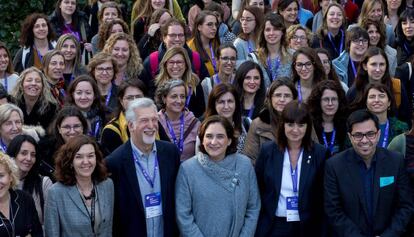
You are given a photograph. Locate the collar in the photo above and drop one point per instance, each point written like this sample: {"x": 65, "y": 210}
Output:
{"x": 140, "y": 154}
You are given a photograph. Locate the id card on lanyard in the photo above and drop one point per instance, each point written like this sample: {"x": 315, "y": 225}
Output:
{"x": 292, "y": 202}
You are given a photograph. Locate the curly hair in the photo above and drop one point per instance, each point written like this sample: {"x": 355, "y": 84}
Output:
{"x": 99, "y": 59}
{"x": 215, "y": 43}
{"x": 232, "y": 148}
{"x": 323, "y": 29}
{"x": 290, "y": 32}
{"x": 45, "y": 98}
{"x": 10, "y": 68}
{"x": 76, "y": 63}
{"x": 11, "y": 168}
{"x": 262, "y": 51}
{"x": 134, "y": 64}
{"x": 26, "y": 32}
{"x": 189, "y": 78}
{"x": 380, "y": 28}
{"x": 105, "y": 31}
{"x": 314, "y": 103}
{"x": 65, "y": 172}
{"x": 318, "y": 69}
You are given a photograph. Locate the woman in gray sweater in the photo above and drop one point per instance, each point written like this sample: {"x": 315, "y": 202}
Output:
{"x": 216, "y": 190}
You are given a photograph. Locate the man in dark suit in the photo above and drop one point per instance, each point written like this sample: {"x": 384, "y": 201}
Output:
{"x": 367, "y": 191}
{"x": 144, "y": 172}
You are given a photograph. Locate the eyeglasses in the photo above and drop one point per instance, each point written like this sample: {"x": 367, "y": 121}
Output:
{"x": 328, "y": 100}
{"x": 102, "y": 69}
{"x": 299, "y": 66}
{"x": 359, "y": 41}
{"x": 247, "y": 19}
{"x": 176, "y": 35}
{"x": 228, "y": 59}
{"x": 133, "y": 97}
{"x": 76, "y": 127}
{"x": 359, "y": 136}
{"x": 178, "y": 63}
{"x": 297, "y": 38}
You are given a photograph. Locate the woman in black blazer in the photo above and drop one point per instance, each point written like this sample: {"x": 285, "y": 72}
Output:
{"x": 290, "y": 174}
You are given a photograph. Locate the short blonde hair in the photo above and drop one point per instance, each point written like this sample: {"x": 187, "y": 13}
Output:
{"x": 290, "y": 32}
{"x": 6, "y": 110}
{"x": 11, "y": 168}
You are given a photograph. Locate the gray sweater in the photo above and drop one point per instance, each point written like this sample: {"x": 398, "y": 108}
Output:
{"x": 217, "y": 198}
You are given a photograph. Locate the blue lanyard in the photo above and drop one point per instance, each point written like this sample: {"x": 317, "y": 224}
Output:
{"x": 95, "y": 132}
{"x": 353, "y": 67}
{"x": 180, "y": 143}
{"x": 39, "y": 55}
{"x": 108, "y": 96}
{"x": 74, "y": 33}
{"x": 3, "y": 146}
{"x": 249, "y": 46}
{"x": 294, "y": 173}
{"x": 250, "y": 114}
{"x": 386, "y": 133}
{"x": 341, "y": 46}
{"x": 330, "y": 146}
{"x": 190, "y": 93}
{"x": 147, "y": 177}
{"x": 273, "y": 68}
{"x": 216, "y": 79}
{"x": 213, "y": 59}
{"x": 298, "y": 87}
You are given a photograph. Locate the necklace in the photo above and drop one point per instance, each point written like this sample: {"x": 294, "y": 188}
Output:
{"x": 87, "y": 197}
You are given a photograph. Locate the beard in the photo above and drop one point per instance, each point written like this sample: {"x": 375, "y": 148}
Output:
{"x": 148, "y": 139}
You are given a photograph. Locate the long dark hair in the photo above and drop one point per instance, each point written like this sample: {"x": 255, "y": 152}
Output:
{"x": 215, "y": 43}
{"x": 318, "y": 70}
{"x": 33, "y": 180}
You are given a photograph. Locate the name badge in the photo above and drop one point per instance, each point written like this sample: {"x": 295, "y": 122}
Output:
{"x": 153, "y": 206}
{"x": 292, "y": 209}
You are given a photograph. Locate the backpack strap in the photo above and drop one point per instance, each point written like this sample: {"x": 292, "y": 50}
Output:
{"x": 196, "y": 62}
{"x": 190, "y": 128}
{"x": 153, "y": 63}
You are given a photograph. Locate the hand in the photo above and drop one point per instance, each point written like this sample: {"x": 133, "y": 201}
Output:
{"x": 88, "y": 47}
{"x": 153, "y": 28}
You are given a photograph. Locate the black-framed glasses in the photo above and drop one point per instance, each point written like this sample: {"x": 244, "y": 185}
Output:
{"x": 358, "y": 136}
{"x": 228, "y": 59}
{"x": 307, "y": 65}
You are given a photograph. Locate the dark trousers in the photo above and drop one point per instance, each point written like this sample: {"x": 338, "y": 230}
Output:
{"x": 282, "y": 228}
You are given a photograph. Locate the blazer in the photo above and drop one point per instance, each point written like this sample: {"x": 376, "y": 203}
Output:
{"x": 129, "y": 212}
{"x": 269, "y": 167}
{"x": 345, "y": 203}
{"x": 24, "y": 215}
{"x": 66, "y": 215}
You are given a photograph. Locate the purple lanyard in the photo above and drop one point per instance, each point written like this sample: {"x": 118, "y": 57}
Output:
{"x": 213, "y": 59}
{"x": 353, "y": 67}
{"x": 95, "y": 132}
{"x": 39, "y": 55}
{"x": 190, "y": 93}
{"x": 74, "y": 33}
{"x": 216, "y": 79}
{"x": 330, "y": 146}
{"x": 299, "y": 92}
{"x": 150, "y": 180}
{"x": 341, "y": 46}
{"x": 5, "y": 81}
{"x": 180, "y": 143}
{"x": 272, "y": 68}
{"x": 250, "y": 114}
{"x": 249, "y": 46}
{"x": 3, "y": 146}
{"x": 108, "y": 96}
{"x": 386, "y": 133}
{"x": 294, "y": 174}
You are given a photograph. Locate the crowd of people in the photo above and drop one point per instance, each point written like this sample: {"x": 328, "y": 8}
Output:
{"x": 279, "y": 118}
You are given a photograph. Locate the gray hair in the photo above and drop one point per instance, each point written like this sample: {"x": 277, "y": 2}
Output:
{"x": 137, "y": 104}
{"x": 6, "y": 110}
{"x": 163, "y": 90}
